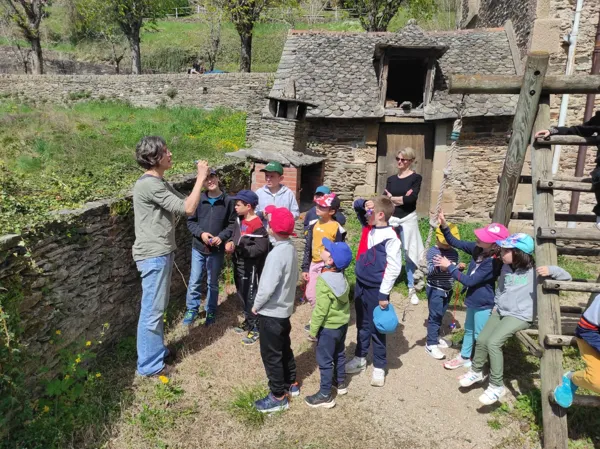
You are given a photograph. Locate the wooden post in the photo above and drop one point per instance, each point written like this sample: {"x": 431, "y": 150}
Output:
{"x": 535, "y": 71}
{"x": 554, "y": 417}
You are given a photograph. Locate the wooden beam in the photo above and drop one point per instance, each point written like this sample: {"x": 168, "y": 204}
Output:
{"x": 526, "y": 179}
{"x": 579, "y": 400}
{"x": 545, "y": 184}
{"x": 549, "y": 322}
{"x": 582, "y": 252}
{"x": 569, "y": 140}
{"x": 572, "y": 286}
{"x": 582, "y": 218}
{"x": 501, "y": 84}
{"x": 588, "y": 234}
{"x": 560, "y": 340}
{"x": 572, "y": 309}
{"x": 531, "y": 345}
{"x": 535, "y": 70}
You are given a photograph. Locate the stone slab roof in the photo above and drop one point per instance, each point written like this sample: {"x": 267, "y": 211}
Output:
{"x": 336, "y": 70}
{"x": 294, "y": 158}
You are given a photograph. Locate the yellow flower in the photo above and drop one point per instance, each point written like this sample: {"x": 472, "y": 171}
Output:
{"x": 58, "y": 332}
{"x": 88, "y": 343}
{"x": 98, "y": 375}
{"x": 46, "y": 409}
{"x": 67, "y": 377}
{"x": 78, "y": 360}
{"x": 164, "y": 379}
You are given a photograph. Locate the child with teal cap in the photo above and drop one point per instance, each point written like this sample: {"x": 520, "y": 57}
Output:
{"x": 514, "y": 310}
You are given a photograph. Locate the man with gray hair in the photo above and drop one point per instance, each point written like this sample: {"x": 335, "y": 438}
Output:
{"x": 156, "y": 204}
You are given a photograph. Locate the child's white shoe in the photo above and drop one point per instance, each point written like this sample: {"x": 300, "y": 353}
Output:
{"x": 434, "y": 352}
{"x": 378, "y": 379}
{"x": 412, "y": 294}
{"x": 458, "y": 362}
{"x": 356, "y": 365}
{"x": 492, "y": 395}
{"x": 470, "y": 378}
{"x": 443, "y": 343}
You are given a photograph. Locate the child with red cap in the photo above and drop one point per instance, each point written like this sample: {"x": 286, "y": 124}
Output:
{"x": 479, "y": 280}
{"x": 274, "y": 304}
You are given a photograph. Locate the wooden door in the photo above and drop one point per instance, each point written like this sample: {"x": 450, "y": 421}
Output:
{"x": 394, "y": 137}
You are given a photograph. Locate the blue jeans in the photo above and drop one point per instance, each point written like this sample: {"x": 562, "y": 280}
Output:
{"x": 474, "y": 323}
{"x": 409, "y": 265}
{"x": 331, "y": 356}
{"x": 213, "y": 263}
{"x": 438, "y": 301}
{"x": 156, "y": 283}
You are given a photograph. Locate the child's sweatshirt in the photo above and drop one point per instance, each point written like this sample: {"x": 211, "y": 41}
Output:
{"x": 436, "y": 277}
{"x": 380, "y": 263}
{"x": 588, "y": 328}
{"x": 277, "y": 286}
{"x": 332, "y": 308}
{"x": 588, "y": 129}
{"x": 313, "y": 244}
{"x": 478, "y": 278}
{"x": 516, "y": 294}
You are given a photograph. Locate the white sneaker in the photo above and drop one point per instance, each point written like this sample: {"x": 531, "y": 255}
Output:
{"x": 412, "y": 294}
{"x": 492, "y": 395}
{"x": 443, "y": 344}
{"x": 434, "y": 352}
{"x": 470, "y": 378}
{"x": 378, "y": 379}
{"x": 356, "y": 365}
{"x": 458, "y": 362}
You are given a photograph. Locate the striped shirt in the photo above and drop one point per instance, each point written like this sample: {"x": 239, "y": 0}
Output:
{"x": 435, "y": 276}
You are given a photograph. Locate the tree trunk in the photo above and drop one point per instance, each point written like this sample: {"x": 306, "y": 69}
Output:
{"x": 246, "y": 52}
{"x": 38, "y": 60}
{"x": 136, "y": 57}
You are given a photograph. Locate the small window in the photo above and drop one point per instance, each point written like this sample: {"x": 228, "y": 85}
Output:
{"x": 406, "y": 82}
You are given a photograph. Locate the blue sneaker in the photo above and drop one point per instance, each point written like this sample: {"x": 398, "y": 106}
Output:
{"x": 210, "y": 319}
{"x": 189, "y": 317}
{"x": 563, "y": 394}
{"x": 270, "y": 404}
{"x": 294, "y": 390}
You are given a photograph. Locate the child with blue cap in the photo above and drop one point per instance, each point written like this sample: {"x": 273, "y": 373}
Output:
{"x": 329, "y": 322}
{"x": 514, "y": 311}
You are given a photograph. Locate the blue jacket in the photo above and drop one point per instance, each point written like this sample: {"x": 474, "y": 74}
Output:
{"x": 217, "y": 219}
{"x": 479, "y": 281}
{"x": 588, "y": 328}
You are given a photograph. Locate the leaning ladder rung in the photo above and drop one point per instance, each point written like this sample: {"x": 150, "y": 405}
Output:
{"x": 572, "y": 309}
{"x": 552, "y": 184}
{"x": 590, "y": 234}
{"x": 569, "y": 140}
{"x": 560, "y": 340}
{"x": 532, "y": 346}
{"x": 580, "y": 399}
{"x": 581, "y": 218}
{"x": 572, "y": 286}
{"x": 570, "y": 251}
{"x": 528, "y": 179}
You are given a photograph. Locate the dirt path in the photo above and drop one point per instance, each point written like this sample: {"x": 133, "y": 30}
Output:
{"x": 419, "y": 407}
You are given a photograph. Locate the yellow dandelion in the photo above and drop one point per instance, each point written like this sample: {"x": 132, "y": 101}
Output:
{"x": 51, "y": 342}
{"x": 67, "y": 377}
{"x": 46, "y": 409}
{"x": 58, "y": 332}
{"x": 88, "y": 343}
{"x": 98, "y": 375}
{"x": 164, "y": 379}
{"x": 78, "y": 360}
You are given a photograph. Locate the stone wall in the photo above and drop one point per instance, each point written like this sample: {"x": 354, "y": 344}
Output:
{"x": 239, "y": 91}
{"x": 81, "y": 274}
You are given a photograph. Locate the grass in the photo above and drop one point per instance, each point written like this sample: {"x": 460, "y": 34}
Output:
{"x": 57, "y": 157}
{"x": 242, "y": 405}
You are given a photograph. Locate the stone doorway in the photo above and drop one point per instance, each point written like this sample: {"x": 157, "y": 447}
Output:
{"x": 393, "y": 137}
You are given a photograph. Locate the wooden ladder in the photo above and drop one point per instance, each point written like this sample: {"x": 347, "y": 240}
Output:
{"x": 533, "y": 114}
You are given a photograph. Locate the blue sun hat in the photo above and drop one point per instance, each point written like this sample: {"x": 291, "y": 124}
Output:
{"x": 385, "y": 320}
{"x": 521, "y": 241}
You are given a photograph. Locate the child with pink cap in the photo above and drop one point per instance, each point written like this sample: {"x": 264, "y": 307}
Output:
{"x": 479, "y": 281}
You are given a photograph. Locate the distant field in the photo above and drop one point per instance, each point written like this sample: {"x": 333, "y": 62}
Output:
{"x": 55, "y": 157}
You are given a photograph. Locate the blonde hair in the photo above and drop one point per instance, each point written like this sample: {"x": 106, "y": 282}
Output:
{"x": 408, "y": 153}
{"x": 385, "y": 205}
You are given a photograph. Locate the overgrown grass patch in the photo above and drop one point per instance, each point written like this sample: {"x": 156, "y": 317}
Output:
{"x": 242, "y": 405}
{"x": 55, "y": 157}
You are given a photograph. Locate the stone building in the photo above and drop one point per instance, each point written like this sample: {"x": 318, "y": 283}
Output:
{"x": 375, "y": 93}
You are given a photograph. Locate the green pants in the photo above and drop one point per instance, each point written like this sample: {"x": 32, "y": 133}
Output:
{"x": 491, "y": 339}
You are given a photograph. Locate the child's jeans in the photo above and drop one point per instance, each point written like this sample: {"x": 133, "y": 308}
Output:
{"x": 474, "y": 323}
{"x": 496, "y": 331}
{"x": 213, "y": 263}
{"x": 589, "y": 378}
{"x": 276, "y": 353}
{"x": 156, "y": 283}
{"x": 311, "y": 286}
{"x": 331, "y": 356}
{"x": 438, "y": 301}
{"x": 365, "y": 300}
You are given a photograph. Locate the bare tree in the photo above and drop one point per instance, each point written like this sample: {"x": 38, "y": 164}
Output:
{"x": 214, "y": 16}
{"x": 22, "y": 54}
{"x": 27, "y": 15}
